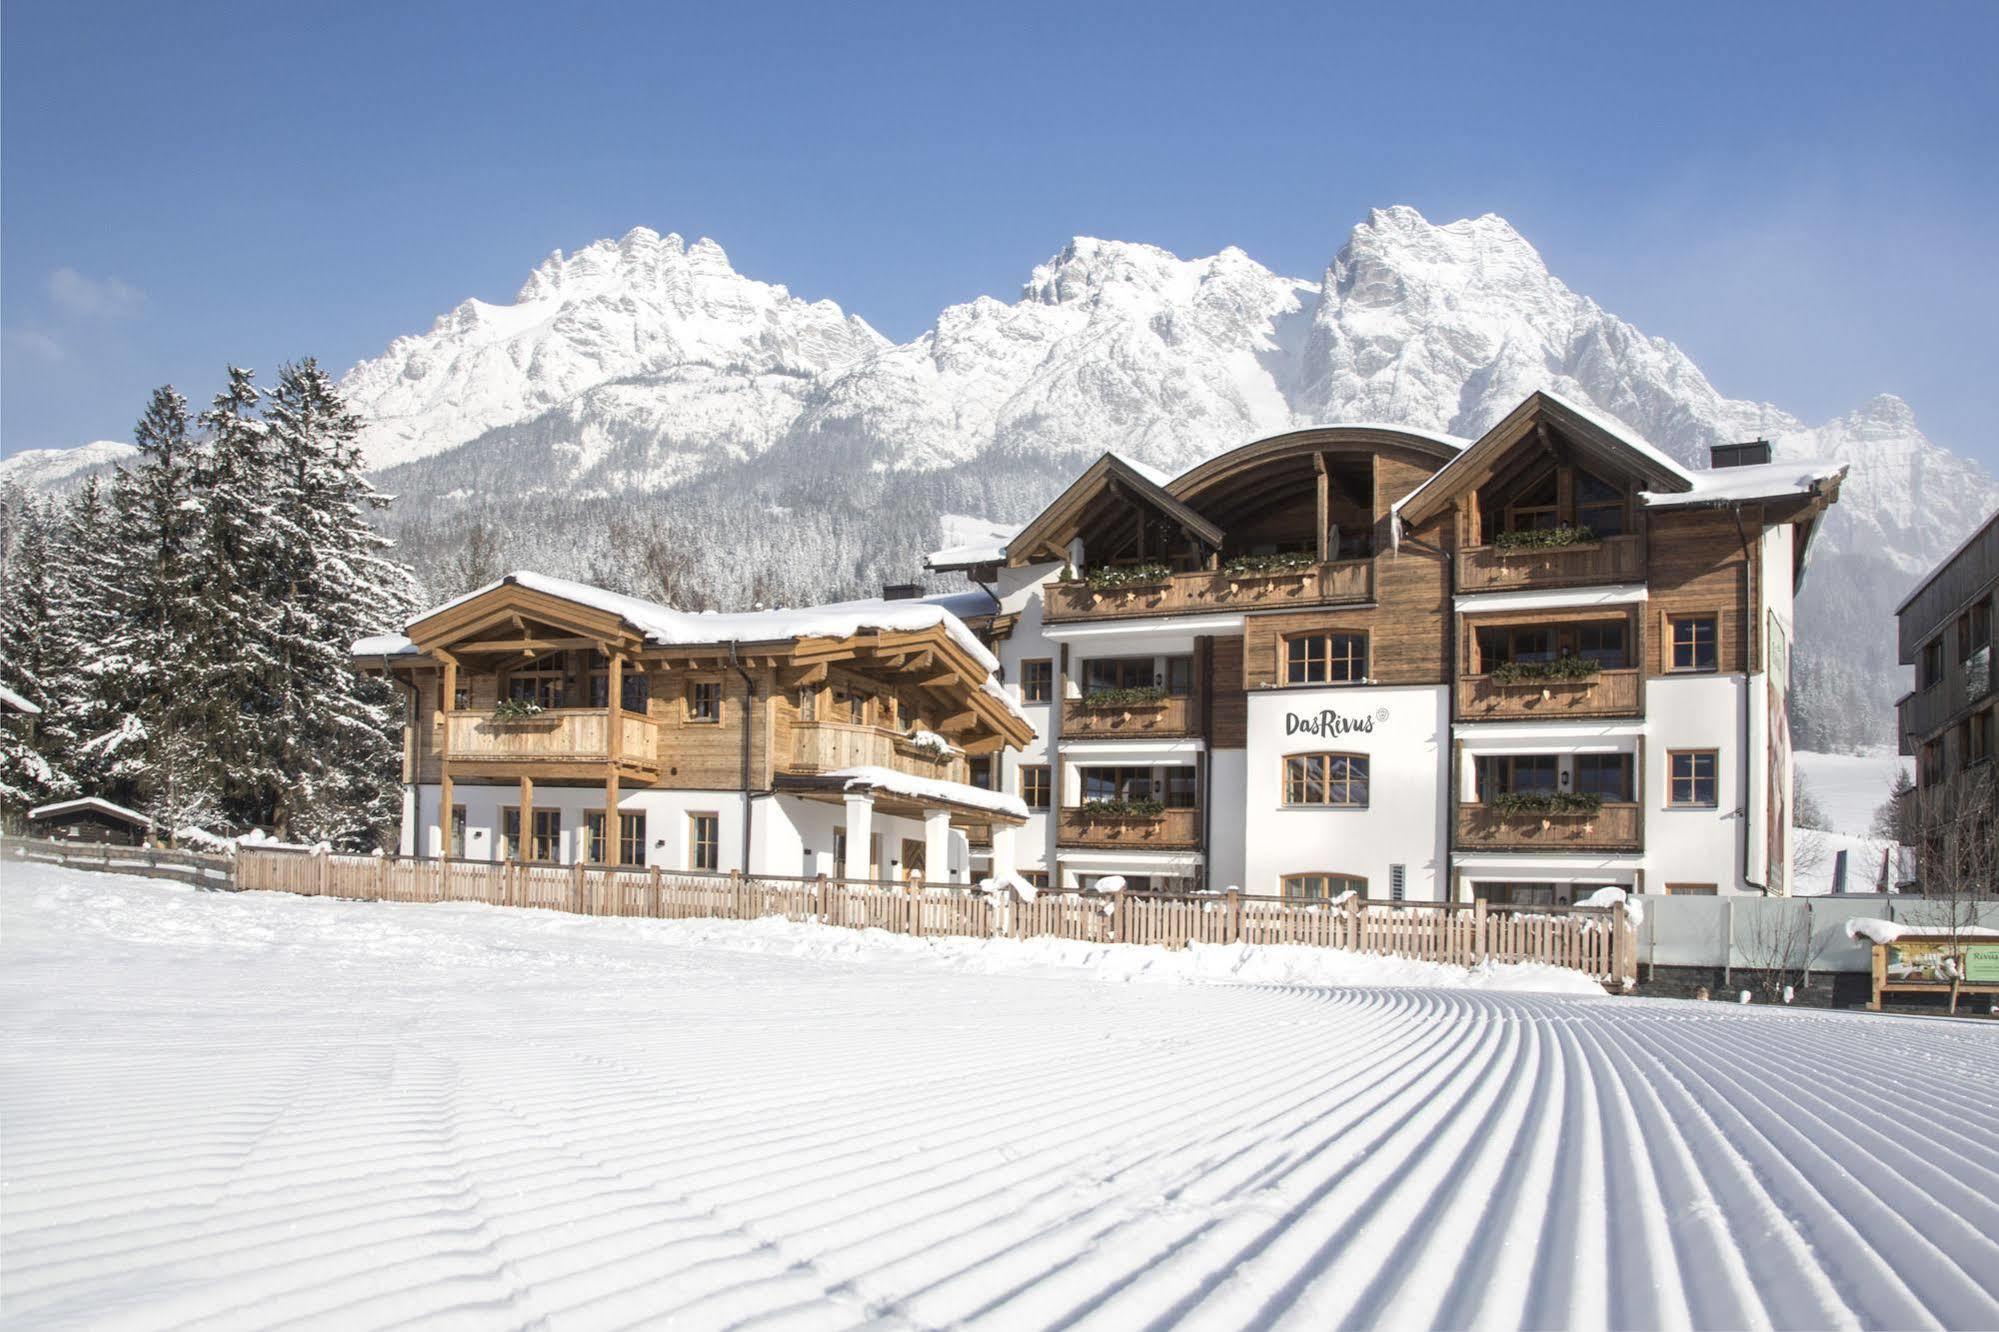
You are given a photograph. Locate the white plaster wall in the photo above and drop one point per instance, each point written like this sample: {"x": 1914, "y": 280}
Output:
{"x": 668, "y": 843}
{"x": 1020, "y": 594}
{"x": 1228, "y": 771}
{"x": 1694, "y": 845}
{"x": 1404, "y": 820}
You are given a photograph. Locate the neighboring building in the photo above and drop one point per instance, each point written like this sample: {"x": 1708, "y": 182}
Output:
{"x": 833, "y": 740}
{"x": 1947, "y": 722}
{"x": 90, "y": 820}
{"x": 1369, "y": 657}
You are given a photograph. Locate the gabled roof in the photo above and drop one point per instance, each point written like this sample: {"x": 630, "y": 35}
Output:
{"x": 1046, "y": 531}
{"x": 1591, "y": 434}
{"x": 91, "y": 803}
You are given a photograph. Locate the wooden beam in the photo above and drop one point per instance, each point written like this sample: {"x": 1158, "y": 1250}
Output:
{"x": 530, "y": 645}
{"x": 957, "y": 722}
{"x": 614, "y": 854}
{"x": 985, "y": 744}
{"x": 800, "y": 677}
{"x": 524, "y": 849}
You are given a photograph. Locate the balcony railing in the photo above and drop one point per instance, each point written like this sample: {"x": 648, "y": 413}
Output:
{"x": 825, "y": 746}
{"x": 1614, "y": 827}
{"x": 1347, "y": 582}
{"x": 1618, "y": 559}
{"x": 1166, "y": 718}
{"x": 559, "y": 735}
{"x": 1172, "y": 830}
{"x": 1613, "y": 693}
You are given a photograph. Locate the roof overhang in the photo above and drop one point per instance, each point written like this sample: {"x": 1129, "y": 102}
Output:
{"x": 1049, "y": 534}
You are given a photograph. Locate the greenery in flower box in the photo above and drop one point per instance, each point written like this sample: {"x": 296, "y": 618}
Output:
{"x": 1253, "y": 566}
{"x": 1544, "y": 802}
{"x": 516, "y": 709}
{"x": 1125, "y": 809}
{"x": 1564, "y": 667}
{"x": 1128, "y": 575}
{"x": 1544, "y": 538}
{"x": 1133, "y": 697}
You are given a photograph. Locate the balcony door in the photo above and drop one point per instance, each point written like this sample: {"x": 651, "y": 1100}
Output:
{"x": 539, "y": 682}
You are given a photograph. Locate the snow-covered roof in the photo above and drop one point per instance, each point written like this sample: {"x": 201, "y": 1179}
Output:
{"x": 674, "y": 628}
{"x": 1146, "y": 470}
{"x": 10, "y": 699}
{"x": 929, "y": 788}
{"x": 89, "y": 802}
{"x": 384, "y": 645}
{"x": 1875, "y": 930}
{"x": 1724, "y": 485}
{"x": 1624, "y": 434}
{"x": 973, "y": 541}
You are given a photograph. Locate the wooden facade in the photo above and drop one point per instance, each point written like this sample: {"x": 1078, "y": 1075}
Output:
{"x": 1950, "y": 721}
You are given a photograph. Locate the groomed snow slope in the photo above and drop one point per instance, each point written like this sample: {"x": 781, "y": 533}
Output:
{"x": 259, "y": 1110}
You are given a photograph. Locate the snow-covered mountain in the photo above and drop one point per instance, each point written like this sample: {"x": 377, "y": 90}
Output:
{"x": 51, "y": 470}
{"x": 645, "y": 416}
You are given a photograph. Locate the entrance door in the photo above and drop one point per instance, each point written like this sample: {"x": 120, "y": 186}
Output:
{"x": 912, "y": 859}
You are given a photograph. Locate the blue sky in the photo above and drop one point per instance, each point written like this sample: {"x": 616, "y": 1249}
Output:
{"x": 1800, "y": 195}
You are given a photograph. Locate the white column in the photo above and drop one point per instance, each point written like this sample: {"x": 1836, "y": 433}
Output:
{"x": 937, "y": 845}
{"x": 860, "y": 832}
{"x": 1003, "y": 861}
{"x": 412, "y": 802}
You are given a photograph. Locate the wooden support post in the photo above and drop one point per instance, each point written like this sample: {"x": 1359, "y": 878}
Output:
{"x": 445, "y": 795}
{"x": 525, "y": 842}
{"x": 614, "y": 854}
{"x": 819, "y": 887}
{"x": 576, "y": 902}
{"x": 1235, "y": 915}
{"x": 1325, "y": 509}
{"x": 652, "y": 872}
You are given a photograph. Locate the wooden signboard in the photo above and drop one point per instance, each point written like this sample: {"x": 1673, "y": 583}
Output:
{"x": 1919, "y": 963}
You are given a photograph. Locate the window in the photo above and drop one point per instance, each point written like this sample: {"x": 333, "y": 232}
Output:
{"x": 1118, "y": 673}
{"x": 704, "y": 841}
{"x": 873, "y": 870}
{"x": 1320, "y": 887}
{"x": 1499, "y": 646}
{"x": 1978, "y": 737}
{"x": 631, "y": 839}
{"x": 1537, "y": 506}
{"x": 1692, "y": 778}
{"x": 1117, "y": 784}
{"x": 539, "y": 682}
{"x": 633, "y": 691}
{"x": 1182, "y": 788}
{"x": 849, "y": 705}
{"x": 1693, "y": 643}
{"x": 1929, "y": 666}
{"x": 1037, "y": 879}
{"x": 1326, "y": 779}
{"x": 1325, "y": 659}
{"x": 1519, "y": 894}
{"x": 1607, "y": 776}
{"x": 704, "y": 700}
{"x": 1930, "y": 769}
{"x": 980, "y": 770}
{"x": 915, "y": 856}
{"x": 1516, "y": 774}
{"x": 461, "y": 697}
{"x": 1602, "y": 642}
{"x": 1179, "y": 676}
{"x": 1034, "y": 785}
{"x": 1037, "y": 680}
{"x": 1691, "y": 889}
{"x": 455, "y": 845}
{"x": 1599, "y": 506}
{"x": 510, "y": 833}
{"x": 546, "y": 843}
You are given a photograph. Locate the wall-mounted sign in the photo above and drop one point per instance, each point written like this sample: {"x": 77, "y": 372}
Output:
{"x": 1329, "y": 722}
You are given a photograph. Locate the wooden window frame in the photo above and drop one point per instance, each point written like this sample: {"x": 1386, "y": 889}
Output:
{"x": 688, "y": 714}
{"x": 1979, "y": 737}
{"x": 1623, "y": 504}
{"x": 1513, "y": 507}
{"x": 1041, "y": 690}
{"x": 1355, "y": 883}
{"x": 1027, "y": 794}
{"x": 1627, "y": 761}
{"x": 629, "y": 853}
{"x": 1482, "y": 764}
{"x": 1693, "y": 889}
{"x": 456, "y": 832}
{"x": 542, "y": 677}
{"x": 1673, "y": 800}
{"x": 509, "y": 845}
{"x": 1348, "y": 782}
{"x": 1671, "y": 645}
{"x": 695, "y": 842}
{"x": 1326, "y": 658}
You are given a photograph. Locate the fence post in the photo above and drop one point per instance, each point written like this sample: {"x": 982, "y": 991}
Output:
{"x": 652, "y": 872}
{"x": 576, "y": 903}
{"x": 1120, "y": 924}
{"x": 736, "y": 899}
{"x": 381, "y": 877}
{"x": 324, "y": 873}
{"x": 819, "y": 886}
{"x": 1235, "y": 915}
{"x": 1479, "y": 937}
{"x": 1353, "y": 923}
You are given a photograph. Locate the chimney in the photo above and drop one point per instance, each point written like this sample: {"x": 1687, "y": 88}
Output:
{"x": 901, "y": 591}
{"x": 1755, "y": 452}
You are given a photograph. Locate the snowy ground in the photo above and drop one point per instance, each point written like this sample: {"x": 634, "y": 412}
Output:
{"x": 253, "y": 1110}
{"x": 1850, "y": 787}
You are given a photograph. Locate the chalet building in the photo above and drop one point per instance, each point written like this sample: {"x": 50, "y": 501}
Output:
{"x": 1372, "y": 658}
{"x": 1947, "y": 723}
{"x": 90, "y": 819}
{"x": 552, "y": 721}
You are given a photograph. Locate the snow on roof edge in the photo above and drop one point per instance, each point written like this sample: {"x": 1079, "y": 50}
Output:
{"x": 1721, "y": 485}
{"x": 89, "y": 802}
{"x": 931, "y": 788}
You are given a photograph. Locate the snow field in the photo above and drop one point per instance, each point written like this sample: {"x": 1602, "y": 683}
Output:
{"x": 245, "y": 1110}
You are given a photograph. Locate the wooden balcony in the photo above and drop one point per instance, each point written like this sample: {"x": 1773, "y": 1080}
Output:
{"x": 1166, "y": 718}
{"x": 1606, "y": 694}
{"x": 1173, "y": 830}
{"x": 1618, "y": 559}
{"x": 829, "y": 746}
{"x": 1348, "y": 582}
{"x": 561, "y": 742}
{"x": 1612, "y": 828}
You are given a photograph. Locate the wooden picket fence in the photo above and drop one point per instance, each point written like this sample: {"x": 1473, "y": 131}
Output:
{"x": 1596, "y": 941}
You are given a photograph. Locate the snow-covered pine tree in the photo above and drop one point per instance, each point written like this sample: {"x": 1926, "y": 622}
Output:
{"x": 330, "y": 581}
{"x": 227, "y": 683}
{"x": 34, "y": 749}
{"x": 92, "y": 572}
{"x": 150, "y": 749}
